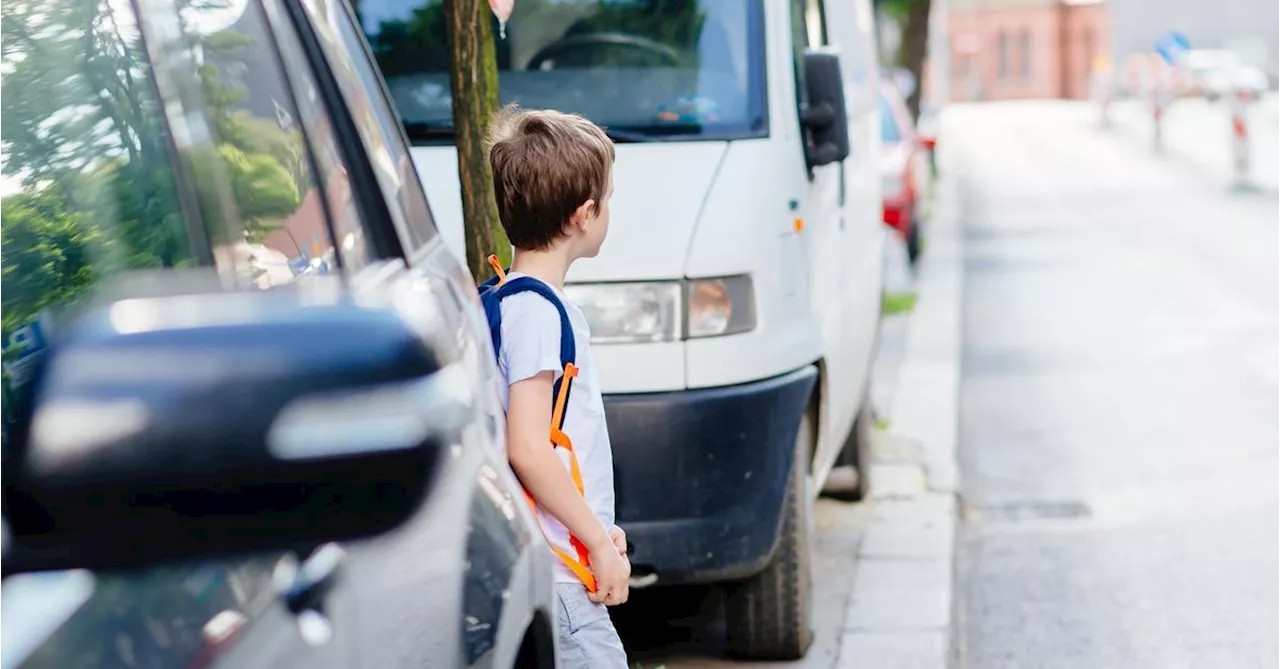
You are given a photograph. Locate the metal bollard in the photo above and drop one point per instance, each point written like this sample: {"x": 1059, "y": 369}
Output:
{"x": 1103, "y": 93}
{"x": 1158, "y": 108}
{"x": 1240, "y": 98}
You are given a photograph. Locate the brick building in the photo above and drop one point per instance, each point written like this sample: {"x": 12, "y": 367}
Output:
{"x": 1011, "y": 49}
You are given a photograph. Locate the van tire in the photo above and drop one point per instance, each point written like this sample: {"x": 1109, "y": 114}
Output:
{"x": 857, "y": 453}
{"x": 769, "y": 616}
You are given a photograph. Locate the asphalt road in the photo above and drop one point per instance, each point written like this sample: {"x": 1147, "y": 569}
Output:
{"x": 1119, "y": 419}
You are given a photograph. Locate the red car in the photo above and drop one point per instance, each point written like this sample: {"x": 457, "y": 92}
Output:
{"x": 904, "y": 169}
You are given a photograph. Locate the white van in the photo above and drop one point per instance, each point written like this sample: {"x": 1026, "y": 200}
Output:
{"x": 734, "y": 307}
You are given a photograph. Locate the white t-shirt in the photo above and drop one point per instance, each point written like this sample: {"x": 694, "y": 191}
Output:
{"x": 530, "y": 345}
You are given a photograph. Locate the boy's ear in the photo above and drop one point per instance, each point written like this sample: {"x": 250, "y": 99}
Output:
{"x": 583, "y": 214}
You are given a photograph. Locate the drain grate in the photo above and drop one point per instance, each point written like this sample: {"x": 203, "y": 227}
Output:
{"x": 1021, "y": 511}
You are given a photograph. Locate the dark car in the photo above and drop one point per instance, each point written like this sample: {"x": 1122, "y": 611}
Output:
{"x": 251, "y": 416}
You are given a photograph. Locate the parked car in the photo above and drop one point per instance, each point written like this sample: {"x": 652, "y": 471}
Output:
{"x": 1218, "y": 73}
{"x": 735, "y": 307}
{"x": 220, "y": 455}
{"x": 905, "y": 170}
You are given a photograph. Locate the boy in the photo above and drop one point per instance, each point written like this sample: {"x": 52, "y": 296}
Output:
{"x": 553, "y": 177}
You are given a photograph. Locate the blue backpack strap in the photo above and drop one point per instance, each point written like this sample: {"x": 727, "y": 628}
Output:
{"x": 491, "y": 296}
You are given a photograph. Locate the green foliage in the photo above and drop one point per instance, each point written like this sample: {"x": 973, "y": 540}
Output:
{"x": 84, "y": 132}
{"x": 898, "y": 303}
{"x": 899, "y": 10}
{"x": 263, "y": 187}
{"x": 45, "y": 254}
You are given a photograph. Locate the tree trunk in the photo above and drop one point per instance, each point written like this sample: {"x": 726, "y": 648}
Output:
{"x": 473, "y": 82}
{"x": 915, "y": 42}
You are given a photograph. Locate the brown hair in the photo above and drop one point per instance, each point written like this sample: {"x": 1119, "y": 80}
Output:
{"x": 545, "y": 165}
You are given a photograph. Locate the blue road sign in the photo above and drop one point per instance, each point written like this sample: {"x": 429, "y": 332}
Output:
{"x": 26, "y": 341}
{"x": 1172, "y": 46}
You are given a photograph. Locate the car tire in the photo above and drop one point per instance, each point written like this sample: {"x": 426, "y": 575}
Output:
{"x": 769, "y": 616}
{"x": 913, "y": 243}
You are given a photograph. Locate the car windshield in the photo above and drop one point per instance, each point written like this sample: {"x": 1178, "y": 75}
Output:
{"x": 889, "y": 132}
{"x": 647, "y": 70}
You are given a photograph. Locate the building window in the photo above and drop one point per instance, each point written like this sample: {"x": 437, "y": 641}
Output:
{"x": 1089, "y": 47}
{"x": 1002, "y": 56}
{"x": 1024, "y": 55}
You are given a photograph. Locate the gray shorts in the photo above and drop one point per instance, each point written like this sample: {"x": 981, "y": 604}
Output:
{"x": 585, "y": 635}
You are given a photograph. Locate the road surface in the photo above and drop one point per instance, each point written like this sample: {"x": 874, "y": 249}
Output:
{"x": 1197, "y": 135}
{"x": 1119, "y": 397}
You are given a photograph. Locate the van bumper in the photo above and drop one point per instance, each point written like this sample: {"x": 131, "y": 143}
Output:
{"x": 701, "y": 475}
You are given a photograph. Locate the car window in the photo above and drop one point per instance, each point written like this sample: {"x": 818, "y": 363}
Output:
{"x": 890, "y": 133}
{"x": 376, "y": 122}
{"x": 691, "y": 69}
{"x": 178, "y": 616}
{"x": 96, "y": 186}
{"x": 274, "y": 180}
{"x": 120, "y": 157}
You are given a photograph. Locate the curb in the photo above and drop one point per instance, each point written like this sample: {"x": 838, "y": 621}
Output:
{"x": 902, "y": 608}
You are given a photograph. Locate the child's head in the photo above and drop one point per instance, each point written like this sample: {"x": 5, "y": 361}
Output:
{"x": 552, "y": 177}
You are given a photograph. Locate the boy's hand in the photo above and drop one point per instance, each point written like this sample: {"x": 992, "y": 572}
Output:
{"x": 619, "y": 539}
{"x": 613, "y": 574}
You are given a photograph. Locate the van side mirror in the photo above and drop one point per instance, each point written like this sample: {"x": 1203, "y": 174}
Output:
{"x": 158, "y": 429}
{"x": 826, "y": 118}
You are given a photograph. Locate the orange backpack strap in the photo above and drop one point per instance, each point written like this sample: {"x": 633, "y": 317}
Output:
{"x": 491, "y": 294}
{"x": 580, "y": 566}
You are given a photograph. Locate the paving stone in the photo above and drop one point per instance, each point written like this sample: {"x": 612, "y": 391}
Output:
{"x": 900, "y": 595}
{"x": 893, "y": 650}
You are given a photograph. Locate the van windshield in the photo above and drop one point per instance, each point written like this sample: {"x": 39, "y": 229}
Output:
{"x": 647, "y": 70}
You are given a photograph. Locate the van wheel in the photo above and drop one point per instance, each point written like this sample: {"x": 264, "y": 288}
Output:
{"x": 857, "y": 453}
{"x": 769, "y": 615}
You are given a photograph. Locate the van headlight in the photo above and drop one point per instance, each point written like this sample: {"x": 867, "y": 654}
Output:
{"x": 663, "y": 311}
{"x": 629, "y": 312}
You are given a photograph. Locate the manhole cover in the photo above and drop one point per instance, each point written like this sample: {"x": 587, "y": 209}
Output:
{"x": 1014, "y": 512}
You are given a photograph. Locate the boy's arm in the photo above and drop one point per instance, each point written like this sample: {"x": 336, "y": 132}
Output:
{"x": 537, "y": 465}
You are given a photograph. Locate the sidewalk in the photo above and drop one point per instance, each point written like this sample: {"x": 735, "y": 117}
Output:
{"x": 900, "y": 613}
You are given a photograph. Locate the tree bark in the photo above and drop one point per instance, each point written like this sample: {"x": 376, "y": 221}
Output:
{"x": 473, "y": 83}
{"x": 915, "y": 43}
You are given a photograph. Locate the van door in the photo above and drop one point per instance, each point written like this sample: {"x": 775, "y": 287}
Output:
{"x": 824, "y": 229}
{"x": 850, "y": 29}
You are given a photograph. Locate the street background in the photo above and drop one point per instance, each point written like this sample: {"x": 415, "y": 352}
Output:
{"x": 1117, "y": 411}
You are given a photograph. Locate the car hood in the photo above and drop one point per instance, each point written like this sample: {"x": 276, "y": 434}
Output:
{"x": 659, "y": 189}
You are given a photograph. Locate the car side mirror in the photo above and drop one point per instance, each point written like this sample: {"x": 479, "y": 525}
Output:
{"x": 826, "y": 118}
{"x": 172, "y": 428}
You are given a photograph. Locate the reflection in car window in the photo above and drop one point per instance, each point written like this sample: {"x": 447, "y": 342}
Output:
{"x": 181, "y": 616}
{"x": 889, "y": 131}
{"x": 660, "y": 68}
{"x": 376, "y": 123}
{"x": 88, "y": 186}
{"x": 256, "y": 120}
{"x": 97, "y": 188}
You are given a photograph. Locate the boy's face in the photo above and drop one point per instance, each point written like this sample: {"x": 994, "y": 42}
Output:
{"x": 597, "y": 227}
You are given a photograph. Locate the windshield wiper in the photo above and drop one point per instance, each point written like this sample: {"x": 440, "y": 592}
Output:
{"x": 428, "y": 130}
{"x": 652, "y": 133}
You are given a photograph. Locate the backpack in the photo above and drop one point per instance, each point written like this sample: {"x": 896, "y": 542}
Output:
{"x": 492, "y": 292}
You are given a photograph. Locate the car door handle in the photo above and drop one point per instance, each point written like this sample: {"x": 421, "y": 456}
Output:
{"x": 306, "y": 588}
